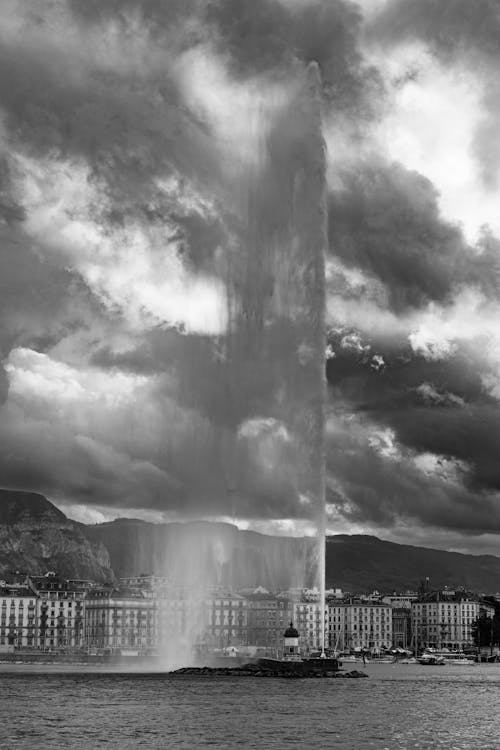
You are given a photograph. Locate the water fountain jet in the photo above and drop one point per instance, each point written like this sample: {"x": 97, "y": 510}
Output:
{"x": 273, "y": 355}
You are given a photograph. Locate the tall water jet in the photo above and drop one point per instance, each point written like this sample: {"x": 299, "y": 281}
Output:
{"x": 315, "y": 228}
{"x": 265, "y": 433}
{"x": 278, "y": 334}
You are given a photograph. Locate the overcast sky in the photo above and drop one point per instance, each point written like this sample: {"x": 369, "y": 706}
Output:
{"x": 128, "y": 131}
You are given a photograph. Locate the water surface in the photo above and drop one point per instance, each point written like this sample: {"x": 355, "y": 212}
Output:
{"x": 398, "y": 707}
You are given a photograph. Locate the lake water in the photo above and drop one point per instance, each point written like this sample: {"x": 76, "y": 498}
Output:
{"x": 399, "y": 707}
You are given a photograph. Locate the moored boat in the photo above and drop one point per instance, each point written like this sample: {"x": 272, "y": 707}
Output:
{"x": 450, "y": 657}
{"x": 431, "y": 659}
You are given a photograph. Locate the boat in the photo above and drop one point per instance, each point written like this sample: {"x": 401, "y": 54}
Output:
{"x": 431, "y": 660}
{"x": 457, "y": 658}
{"x": 351, "y": 658}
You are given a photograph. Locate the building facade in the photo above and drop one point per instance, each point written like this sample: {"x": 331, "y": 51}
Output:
{"x": 267, "y": 618}
{"x": 356, "y": 625}
{"x": 117, "y": 620}
{"x": 307, "y": 618}
{"x": 18, "y": 618}
{"x": 226, "y": 619}
{"x": 60, "y": 611}
{"x": 401, "y": 627}
{"x": 444, "y": 620}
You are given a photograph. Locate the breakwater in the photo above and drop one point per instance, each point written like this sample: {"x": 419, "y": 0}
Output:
{"x": 266, "y": 670}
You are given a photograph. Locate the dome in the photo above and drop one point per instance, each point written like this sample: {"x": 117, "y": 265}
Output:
{"x": 291, "y": 632}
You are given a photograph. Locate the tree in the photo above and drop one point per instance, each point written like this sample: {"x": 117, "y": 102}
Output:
{"x": 486, "y": 630}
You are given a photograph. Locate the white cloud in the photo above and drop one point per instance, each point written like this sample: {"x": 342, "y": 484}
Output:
{"x": 136, "y": 270}
{"x": 101, "y": 514}
{"x": 450, "y": 470}
{"x": 431, "y": 395}
{"x": 33, "y": 375}
{"x": 383, "y": 441}
{"x": 430, "y": 126}
{"x": 431, "y": 343}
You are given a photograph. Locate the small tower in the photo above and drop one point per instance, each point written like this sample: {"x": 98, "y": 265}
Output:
{"x": 291, "y": 649}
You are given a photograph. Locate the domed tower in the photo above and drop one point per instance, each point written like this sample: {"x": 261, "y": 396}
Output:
{"x": 291, "y": 648}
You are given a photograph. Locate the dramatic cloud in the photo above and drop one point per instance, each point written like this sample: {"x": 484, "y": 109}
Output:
{"x": 159, "y": 202}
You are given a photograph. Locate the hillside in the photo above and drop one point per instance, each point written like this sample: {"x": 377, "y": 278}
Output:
{"x": 35, "y": 537}
{"x": 244, "y": 558}
{"x": 363, "y": 563}
{"x": 218, "y": 551}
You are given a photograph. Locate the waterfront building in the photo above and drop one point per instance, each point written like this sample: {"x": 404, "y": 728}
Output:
{"x": 213, "y": 619}
{"x": 267, "y": 615}
{"x": 401, "y": 627}
{"x": 59, "y": 611}
{"x": 445, "y": 619}
{"x": 226, "y": 618}
{"x": 307, "y": 616}
{"x": 181, "y": 618}
{"x": 359, "y": 625}
{"x": 18, "y": 618}
{"x": 118, "y": 619}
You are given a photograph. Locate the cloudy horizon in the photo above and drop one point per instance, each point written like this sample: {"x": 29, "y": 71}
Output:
{"x": 131, "y": 135}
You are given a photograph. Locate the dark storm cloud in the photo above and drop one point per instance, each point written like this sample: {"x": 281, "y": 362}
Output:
{"x": 157, "y": 15}
{"x": 39, "y": 301}
{"x": 128, "y": 124}
{"x": 472, "y": 435}
{"x": 384, "y": 490}
{"x": 450, "y": 26}
{"x": 397, "y": 385}
{"x": 386, "y": 220}
{"x": 441, "y": 407}
{"x": 268, "y": 35}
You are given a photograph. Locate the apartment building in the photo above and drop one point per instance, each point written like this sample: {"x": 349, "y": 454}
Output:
{"x": 445, "y": 619}
{"x": 18, "y": 618}
{"x": 359, "y": 625}
{"x": 59, "y": 611}
{"x": 267, "y": 618}
{"x": 120, "y": 620}
{"x": 226, "y": 618}
{"x": 307, "y": 619}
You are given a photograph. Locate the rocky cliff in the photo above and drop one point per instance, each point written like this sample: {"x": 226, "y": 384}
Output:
{"x": 35, "y": 537}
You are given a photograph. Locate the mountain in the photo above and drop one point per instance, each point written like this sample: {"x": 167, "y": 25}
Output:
{"x": 217, "y": 552}
{"x": 36, "y": 537}
{"x": 27, "y": 507}
{"x": 238, "y": 558}
{"x": 362, "y": 563}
